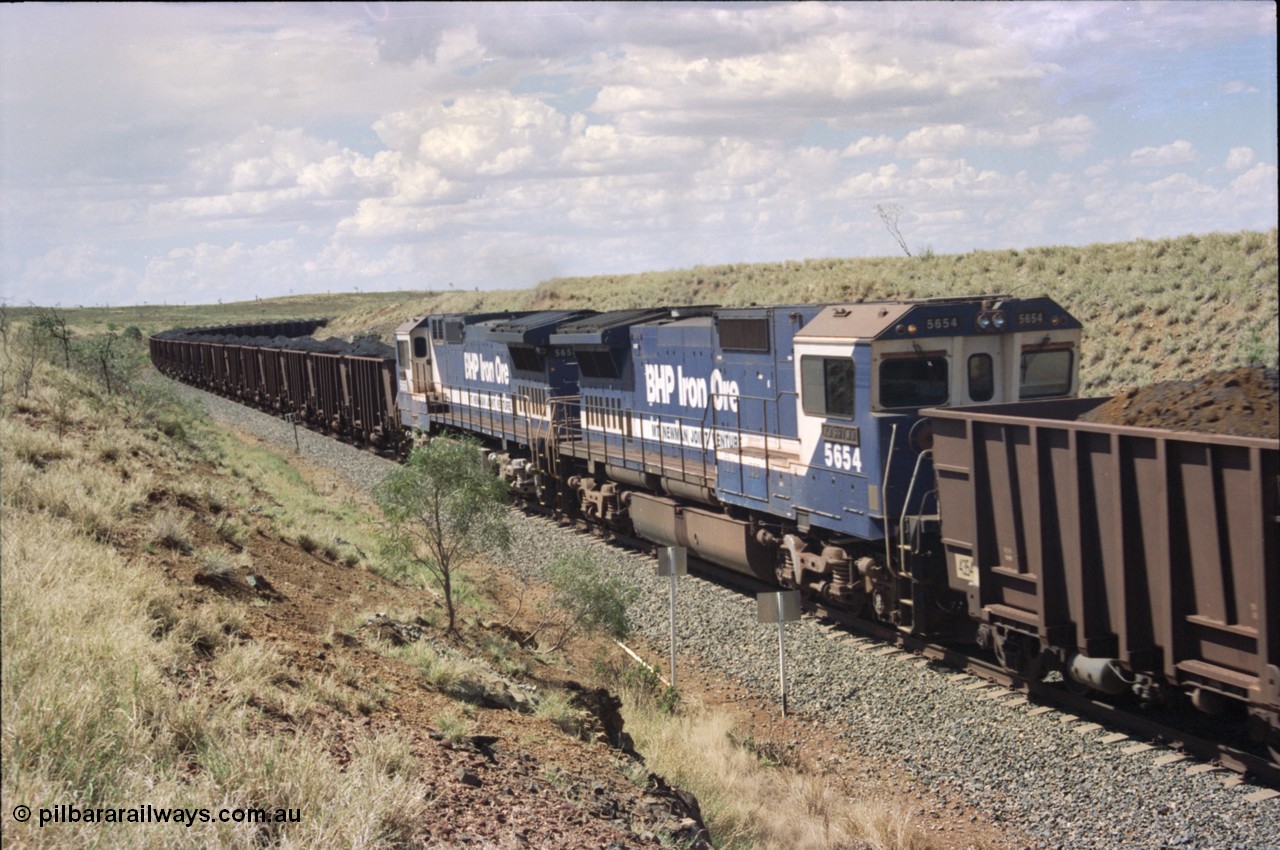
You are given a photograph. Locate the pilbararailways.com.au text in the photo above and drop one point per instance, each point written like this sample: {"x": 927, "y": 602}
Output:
{"x": 66, "y": 814}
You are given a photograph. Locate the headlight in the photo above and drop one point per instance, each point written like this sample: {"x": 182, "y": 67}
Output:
{"x": 997, "y": 319}
{"x": 984, "y": 321}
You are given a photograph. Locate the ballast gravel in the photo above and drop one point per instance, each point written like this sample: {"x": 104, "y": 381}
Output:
{"x": 1055, "y": 780}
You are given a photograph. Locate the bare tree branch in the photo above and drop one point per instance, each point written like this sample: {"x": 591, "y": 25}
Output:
{"x": 889, "y": 214}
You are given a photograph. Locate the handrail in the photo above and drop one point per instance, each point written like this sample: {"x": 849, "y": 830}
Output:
{"x": 884, "y": 500}
{"x": 906, "y": 502}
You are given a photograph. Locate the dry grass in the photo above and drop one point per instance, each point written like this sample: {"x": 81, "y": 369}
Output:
{"x": 557, "y": 707}
{"x": 748, "y": 802}
{"x": 443, "y": 670}
{"x": 270, "y": 487}
{"x": 99, "y": 704}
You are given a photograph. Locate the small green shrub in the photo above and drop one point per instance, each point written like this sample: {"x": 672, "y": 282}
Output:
{"x": 557, "y": 707}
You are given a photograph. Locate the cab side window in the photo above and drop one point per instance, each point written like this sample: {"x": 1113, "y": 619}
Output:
{"x": 1045, "y": 373}
{"x": 826, "y": 386}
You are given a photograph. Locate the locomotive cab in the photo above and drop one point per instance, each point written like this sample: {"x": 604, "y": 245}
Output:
{"x": 413, "y": 357}
{"x": 863, "y": 373}
{"x": 980, "y": 351}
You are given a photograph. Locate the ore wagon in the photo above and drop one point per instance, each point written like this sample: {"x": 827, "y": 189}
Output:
{"x": 1132, "y": 558}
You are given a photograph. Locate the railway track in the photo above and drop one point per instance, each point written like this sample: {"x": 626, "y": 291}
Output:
{"x": 1136, "y": 728}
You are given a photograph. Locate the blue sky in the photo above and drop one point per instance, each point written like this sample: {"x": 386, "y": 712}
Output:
{"x": 205, "y": 152}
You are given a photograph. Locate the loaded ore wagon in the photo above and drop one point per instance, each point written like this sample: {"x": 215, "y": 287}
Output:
{"x": 1132, "y": 558}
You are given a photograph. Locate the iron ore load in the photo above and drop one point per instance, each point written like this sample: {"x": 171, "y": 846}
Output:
{"x": 924, "y": 463}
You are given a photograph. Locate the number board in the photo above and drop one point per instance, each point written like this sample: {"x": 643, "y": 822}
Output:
{"x": 841, "y": 434}
{"x": 942, "y": 323}
{"x": 1030, "y": 318}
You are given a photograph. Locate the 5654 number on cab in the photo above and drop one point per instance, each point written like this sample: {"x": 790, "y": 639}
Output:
{"x": 837, "y": 456}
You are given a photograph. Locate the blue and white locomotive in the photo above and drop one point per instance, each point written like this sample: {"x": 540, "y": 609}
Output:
{"x": 785, "y": 442}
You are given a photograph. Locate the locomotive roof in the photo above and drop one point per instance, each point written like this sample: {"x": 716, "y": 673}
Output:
{"x": 411, "y": 325}
{"x": 853, "y": 321}
{"x": 535, "y": 327}
{"x": 612, "y": 328}
{"x": 876, "y": 320}
{"x": 464, "y": 318}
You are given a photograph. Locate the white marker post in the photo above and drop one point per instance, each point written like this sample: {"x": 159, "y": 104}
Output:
{"x": 780, "y": 608}
{"x": 673, "y": 561}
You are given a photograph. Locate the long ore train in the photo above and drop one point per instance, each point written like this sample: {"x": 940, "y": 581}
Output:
{"x": 923, "y": 462}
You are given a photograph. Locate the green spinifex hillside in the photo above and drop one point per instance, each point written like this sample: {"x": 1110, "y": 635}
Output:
{"x": 1153, "y": 309}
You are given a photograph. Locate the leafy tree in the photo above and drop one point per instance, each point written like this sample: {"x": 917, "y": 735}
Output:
{"x": 443, "y": 508}
{"x": 54, "y": 325}
{"x": 584, "y": 598}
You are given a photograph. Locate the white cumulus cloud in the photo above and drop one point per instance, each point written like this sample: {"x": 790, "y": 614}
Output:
{"x": 1180, "y": 152}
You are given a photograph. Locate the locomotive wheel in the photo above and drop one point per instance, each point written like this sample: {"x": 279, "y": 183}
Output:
{"x": 880, "y": 604}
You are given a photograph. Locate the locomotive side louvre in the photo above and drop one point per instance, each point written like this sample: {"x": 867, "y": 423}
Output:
{"x": 1131, "y": 558}
{"x": 756, "y": 414}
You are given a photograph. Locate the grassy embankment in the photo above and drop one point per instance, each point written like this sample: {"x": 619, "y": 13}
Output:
{"x": 124, "y": 686}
